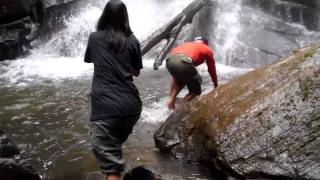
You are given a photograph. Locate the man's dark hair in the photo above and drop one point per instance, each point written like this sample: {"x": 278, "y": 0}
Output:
{"x": 115, "y": 22}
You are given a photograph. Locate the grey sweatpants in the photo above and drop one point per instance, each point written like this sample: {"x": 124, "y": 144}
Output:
{"x": 107, "y": 137}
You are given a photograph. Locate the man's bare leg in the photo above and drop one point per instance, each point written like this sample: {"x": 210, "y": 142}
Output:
{"x": 188, "y": 98}
{"x": 174, "y": 91}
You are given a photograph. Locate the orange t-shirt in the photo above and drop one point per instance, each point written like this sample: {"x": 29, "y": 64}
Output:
{"x": 199, "y": 52}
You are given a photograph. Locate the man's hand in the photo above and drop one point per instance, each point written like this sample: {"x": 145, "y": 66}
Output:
{"x": 215, "y": 85}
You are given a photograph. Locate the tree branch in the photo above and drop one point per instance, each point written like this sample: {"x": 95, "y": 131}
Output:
{"x": 171, "y": 30}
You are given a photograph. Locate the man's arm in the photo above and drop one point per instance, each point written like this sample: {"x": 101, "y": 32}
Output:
{"x": 212, "y": 69}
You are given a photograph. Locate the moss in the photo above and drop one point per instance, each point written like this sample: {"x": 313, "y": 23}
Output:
{"x": 309, "y": 53}
{"x": 306, "y": 86}
{"x": 316, "y": 128}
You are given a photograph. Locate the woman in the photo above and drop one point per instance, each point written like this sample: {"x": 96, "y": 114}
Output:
{"x": 115, "y": 101}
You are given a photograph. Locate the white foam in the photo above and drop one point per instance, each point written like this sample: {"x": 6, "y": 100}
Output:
{"x": 156, "y": 112}
{"x": 228, "y": 27}
{"x": 72, "y": 40}
{"x": 61, "y": 57}
{"x": 146, "y": 16}
{"x": 24, "y": 71}
{"x": 45, "y": 66}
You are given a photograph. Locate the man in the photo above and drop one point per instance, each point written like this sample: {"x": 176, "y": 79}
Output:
{"x": 181, "y": 64}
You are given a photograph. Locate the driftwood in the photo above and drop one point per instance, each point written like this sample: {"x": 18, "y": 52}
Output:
{"x": 171, "y": 30}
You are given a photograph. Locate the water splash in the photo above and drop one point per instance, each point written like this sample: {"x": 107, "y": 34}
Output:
{"x": 61, "y": 57}
{"x": 228, "y": 26}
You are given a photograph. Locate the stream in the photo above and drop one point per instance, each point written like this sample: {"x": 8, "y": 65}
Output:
{"x": 45, "y": 103}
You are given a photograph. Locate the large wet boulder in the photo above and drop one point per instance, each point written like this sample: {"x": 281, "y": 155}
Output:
{"x": 12, "y": 165}
{"x": 265, "y": 123}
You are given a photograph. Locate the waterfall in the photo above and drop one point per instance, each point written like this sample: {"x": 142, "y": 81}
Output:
{"x": 57, "y": 57}
{"x": 227, "y": 28}
{"x": 45, "y": 94}
{"x": 243, "y": 33}
{"x": 253, "y": 33}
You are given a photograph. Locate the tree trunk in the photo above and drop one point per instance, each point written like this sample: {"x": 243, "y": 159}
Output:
{"x": 171, "y": 30}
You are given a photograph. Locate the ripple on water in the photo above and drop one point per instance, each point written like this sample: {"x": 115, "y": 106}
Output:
{"x": 16, "y": 107}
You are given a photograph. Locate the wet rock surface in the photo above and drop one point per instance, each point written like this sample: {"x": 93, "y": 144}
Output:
{"x": 264, "y": 124}
{"x": 293, "y": 11}
{"x": 253, "y": 33}
{"x": 21, "y": 22}
{"x": 12, "y": 166}
{"x": 286, "y": 24}
{"x": 142, "y": 172}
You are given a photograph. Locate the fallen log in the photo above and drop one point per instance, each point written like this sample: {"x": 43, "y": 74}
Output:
{"x": 171, "y": 30}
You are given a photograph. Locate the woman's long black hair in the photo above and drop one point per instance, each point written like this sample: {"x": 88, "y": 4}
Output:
{"x": 115, "y": 22}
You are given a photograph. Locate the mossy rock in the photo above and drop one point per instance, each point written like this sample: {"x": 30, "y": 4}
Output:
{"x": 262, "y": 124}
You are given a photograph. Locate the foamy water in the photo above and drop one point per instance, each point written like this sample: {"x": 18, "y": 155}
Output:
{"x": 227, "y": 28}
{"x": 156, "y": 111}
{"x": 35, "y": 69}
{"x": 62, "y": 56}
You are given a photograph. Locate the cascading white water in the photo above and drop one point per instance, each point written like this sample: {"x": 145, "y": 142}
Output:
{"x": 49, "y": 121}
{"x": 61, "y": 56}
{"x": 227, "y": 27}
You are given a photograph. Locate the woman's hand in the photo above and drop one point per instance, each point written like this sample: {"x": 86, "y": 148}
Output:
{"x": 136, "y": 72}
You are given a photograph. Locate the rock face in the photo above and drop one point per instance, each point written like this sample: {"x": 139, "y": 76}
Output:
{"x": 12, "y": 166}
{"x": 294, "y": 11}
{"x": 19, "y": 21}
{"x": 142, "y": 172}
{"x": 264, "y": 124}
{"x": 290, "y": 23}
{"x": 22, "y": 21}
{"x": 253, "y": 33}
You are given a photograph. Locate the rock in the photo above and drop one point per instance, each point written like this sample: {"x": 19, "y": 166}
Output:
{"x": 254, "y": 33}
{"x": 141, "y": 172}
{"x": 292, "y": 11}
{"x": 23, "y": 21}
{"x": 264, "y": 124}
{"x": 255, "y": 45}
{"x": 7, "y": 148}
{"x": 15, "y": 170}
{"x": 58, "y": 11}
{"x": 271, "y": 29}
{"x": 13, "y": 10}
{"x": 20, "y": 22}
{"x": 12, "y": 166}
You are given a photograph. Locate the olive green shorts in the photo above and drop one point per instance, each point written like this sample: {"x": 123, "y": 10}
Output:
{"x": 181, "y": 67}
